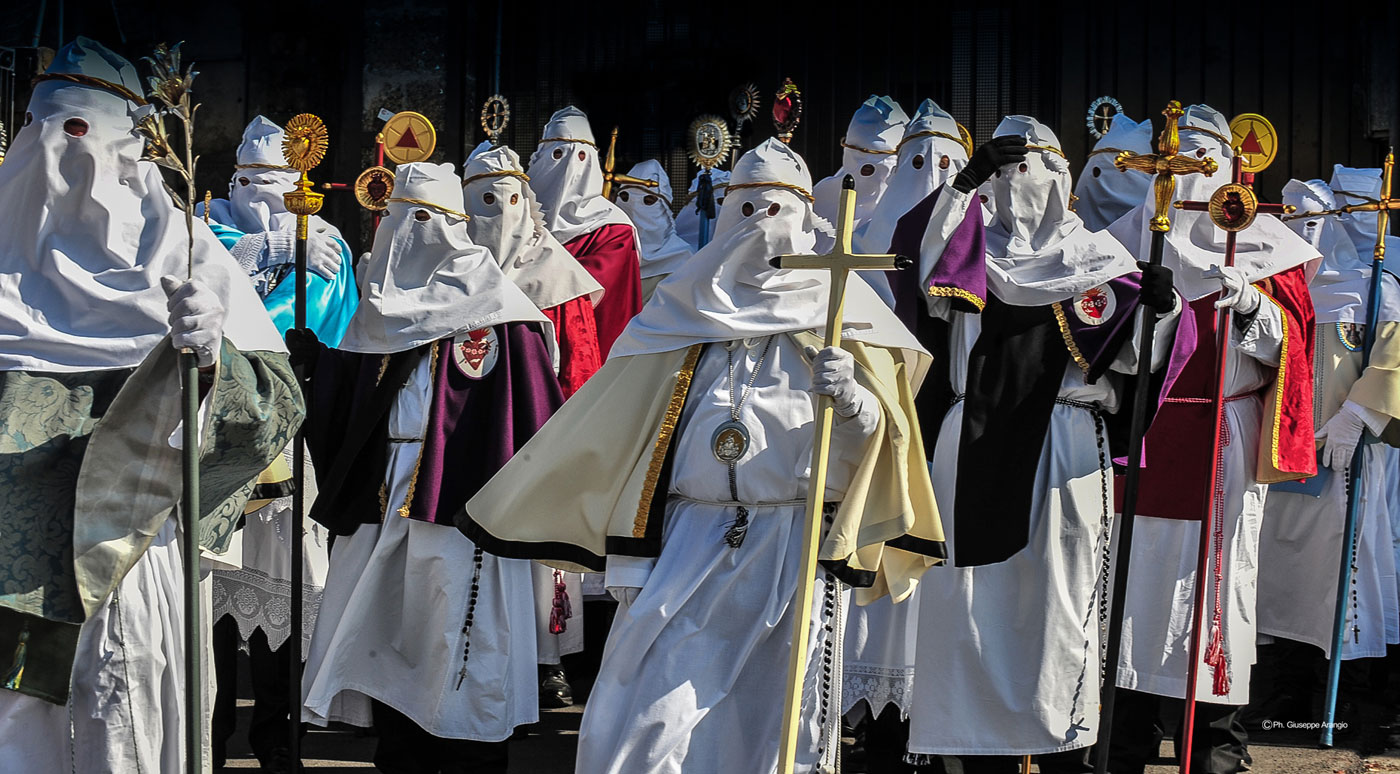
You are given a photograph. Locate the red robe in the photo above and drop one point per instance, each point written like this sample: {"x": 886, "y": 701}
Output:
{"x": 1176, "y": 479}
{"x": 610, "y": 255}
{"x": 576, "y": 330}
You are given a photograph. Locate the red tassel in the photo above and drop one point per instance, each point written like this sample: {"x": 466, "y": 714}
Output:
{"x": 561, "y": 611}
{"x": 1215, "y": 658}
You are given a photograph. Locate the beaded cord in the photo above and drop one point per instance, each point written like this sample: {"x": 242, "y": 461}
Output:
{"x": 471, "y": 616}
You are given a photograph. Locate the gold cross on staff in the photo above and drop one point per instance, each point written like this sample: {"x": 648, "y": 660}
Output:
{"x": 610, "y": 177}
{"x": 1381, "y": 207}
{"x": 1166, "y": 164}
{"x": 840, "y": 262}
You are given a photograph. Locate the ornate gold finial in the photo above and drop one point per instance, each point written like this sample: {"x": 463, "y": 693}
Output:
{"x": 208, "y": 197}
{"x": 610, "y": 177}
{"x": 304, "y": 146}
{"x": 1166, "y": 165}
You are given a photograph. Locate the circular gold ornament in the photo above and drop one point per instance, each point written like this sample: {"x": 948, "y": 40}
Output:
{"x": 1255, "y": 140}
{"x": 305, "y": 142}
{"x": 744, "y": 103}
{"x": 373, "y": 188}
{"x": 709, "y": 141}
{"x": 1233, "y": 207}
{"x": 409, "y": 137}
{"x": 495, "y": 115}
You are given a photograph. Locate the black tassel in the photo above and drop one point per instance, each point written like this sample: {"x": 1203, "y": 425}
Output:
{"x": 738, "y": 529}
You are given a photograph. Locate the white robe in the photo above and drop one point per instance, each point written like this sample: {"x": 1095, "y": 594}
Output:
{"x": 127, "y": 705}
{"x": 258, "y": 593}
{"x": 695, "y": 669}
{"x": 1009, "y": 654}
{"x": 1161, "y": 579}
{"x": 396, "y": 598}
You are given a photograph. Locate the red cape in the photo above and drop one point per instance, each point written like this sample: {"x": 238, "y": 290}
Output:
{"x": 610, "y": 255}
{"x": 1177, "y": 477}
{"x": 577, "y": 333}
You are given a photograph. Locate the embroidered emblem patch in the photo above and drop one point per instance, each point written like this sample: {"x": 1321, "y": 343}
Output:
{"x": 1352, "y": 335}
{"x": 475, "y": 353}
{"x": 1095, "y": 306}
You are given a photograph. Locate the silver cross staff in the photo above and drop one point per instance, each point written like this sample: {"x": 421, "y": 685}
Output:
{"x": 840, "y": 262}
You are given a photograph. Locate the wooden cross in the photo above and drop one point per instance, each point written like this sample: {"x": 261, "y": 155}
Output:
{"x": 610, "y": 177}
{"x": 841, "y": 261}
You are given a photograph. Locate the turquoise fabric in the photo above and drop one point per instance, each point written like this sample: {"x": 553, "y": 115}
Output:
{"x": 329, "y": 304}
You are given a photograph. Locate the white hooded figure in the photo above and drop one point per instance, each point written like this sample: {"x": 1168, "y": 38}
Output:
{"x": 699, "y": 649}
{"x": 930, "y": 153}
{"x": 93, "y": 307}
{"x": 869, "y": 154}
{"x": 1302, "y": 540}
{"x": 688, "y": 219}
{"x": 426, "y": 282}
{"x": 1009, "y": 652}
{"x": 1165, "y": 550}
{"x": 568, "y": 182}
{"x": 1104, "y": 193}
{"x": 663, "y": 250}
{"x": 506, "y": 219}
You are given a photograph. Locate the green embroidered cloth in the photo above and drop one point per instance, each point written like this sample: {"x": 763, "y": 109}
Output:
{"x": 88, "y": 476}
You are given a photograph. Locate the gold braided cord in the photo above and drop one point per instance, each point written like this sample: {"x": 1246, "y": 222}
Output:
{"x": 663, "y": 439}
{"x": 945, "y": 291}
{"x": 569, "y": 139}
{"x": 929, "y": 133}
{"x": 96, "y": 83}
{"x": 502, "y": 173}
{"x": 407, "y": 508}
{"x": 1228, "y": 141}
{"x": 1114, "y": 151}
{"x": 1068, "y": 336}
{"x": 874, "y": 151}
{"x": 279, "y": 167}
{"x": 1049, "y": 149}
{"x": 650, "y": 191}
{"x": 431, "y": 206}
{"x": 797, "y": 189}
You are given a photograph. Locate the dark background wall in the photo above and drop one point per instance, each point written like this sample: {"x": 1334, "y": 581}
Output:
{"x": 1327, "y": 79}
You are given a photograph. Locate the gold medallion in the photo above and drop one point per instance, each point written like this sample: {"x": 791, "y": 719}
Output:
{"x": 304, "y": 142}
{"x": 373, "y": 188}
{"x": 409, "y": 137}
{"x": 709, "y": 141}
{"x": 495, "y": 115}
{"x": 1233, "y": 207}
{"x": 1254, "y": 138}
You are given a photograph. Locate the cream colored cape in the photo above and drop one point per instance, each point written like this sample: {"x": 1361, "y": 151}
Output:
{"x": 584, "y": 485}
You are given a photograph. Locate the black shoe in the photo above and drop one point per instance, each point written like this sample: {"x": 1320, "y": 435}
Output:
{"x": 555, "y": 691}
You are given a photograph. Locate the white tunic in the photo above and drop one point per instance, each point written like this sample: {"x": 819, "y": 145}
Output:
{"x": 694, "y": 670}
{"x": 1009, "y": 654}
{"x": 1162, "y": 576}
{"x": 127, "y": 704}
{"x": 258, "y": 595}
{"x": 395, "y": 604}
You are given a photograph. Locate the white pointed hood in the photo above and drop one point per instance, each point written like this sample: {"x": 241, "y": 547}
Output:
{"x": 425, "y": 279}
{"x": 1341, "y": 280}
{"x": 868, "y": 155}
{"x": 505, "y": 218}
{"x": 1105, "y": 194}
{"x": 729, "y": 291}
{"x": 649, "y": 209}
{"x": 568, "y": 179}
{"x": 87, "y": 230}
{"x": 930, "y": 153}
{"x": 1194, "y": 244}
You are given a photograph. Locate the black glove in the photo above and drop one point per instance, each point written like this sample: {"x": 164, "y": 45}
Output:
{"x": 986, "y": 160}
{"x": 1157, "y": 292}
{"x": 302, "y": 346}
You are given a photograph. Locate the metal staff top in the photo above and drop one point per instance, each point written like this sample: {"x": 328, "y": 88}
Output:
{"x": 610, "y": 177}
{"x": 304, "y": 147}
{"x": 1166, "y": 164}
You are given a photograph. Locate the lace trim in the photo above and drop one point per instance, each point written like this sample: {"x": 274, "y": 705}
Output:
{"x": 257, "y": 600}
{"x": 877, "y": 686}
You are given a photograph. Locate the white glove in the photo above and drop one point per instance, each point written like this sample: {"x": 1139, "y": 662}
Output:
{"x": 196, "y": 317}
{"x": 1240, "y": 295}
{"x": 322, "y": 251}
{"x": 624, "y": 595}
{"x": 834, "y": 374}
{"x": 1340, "y": 436}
